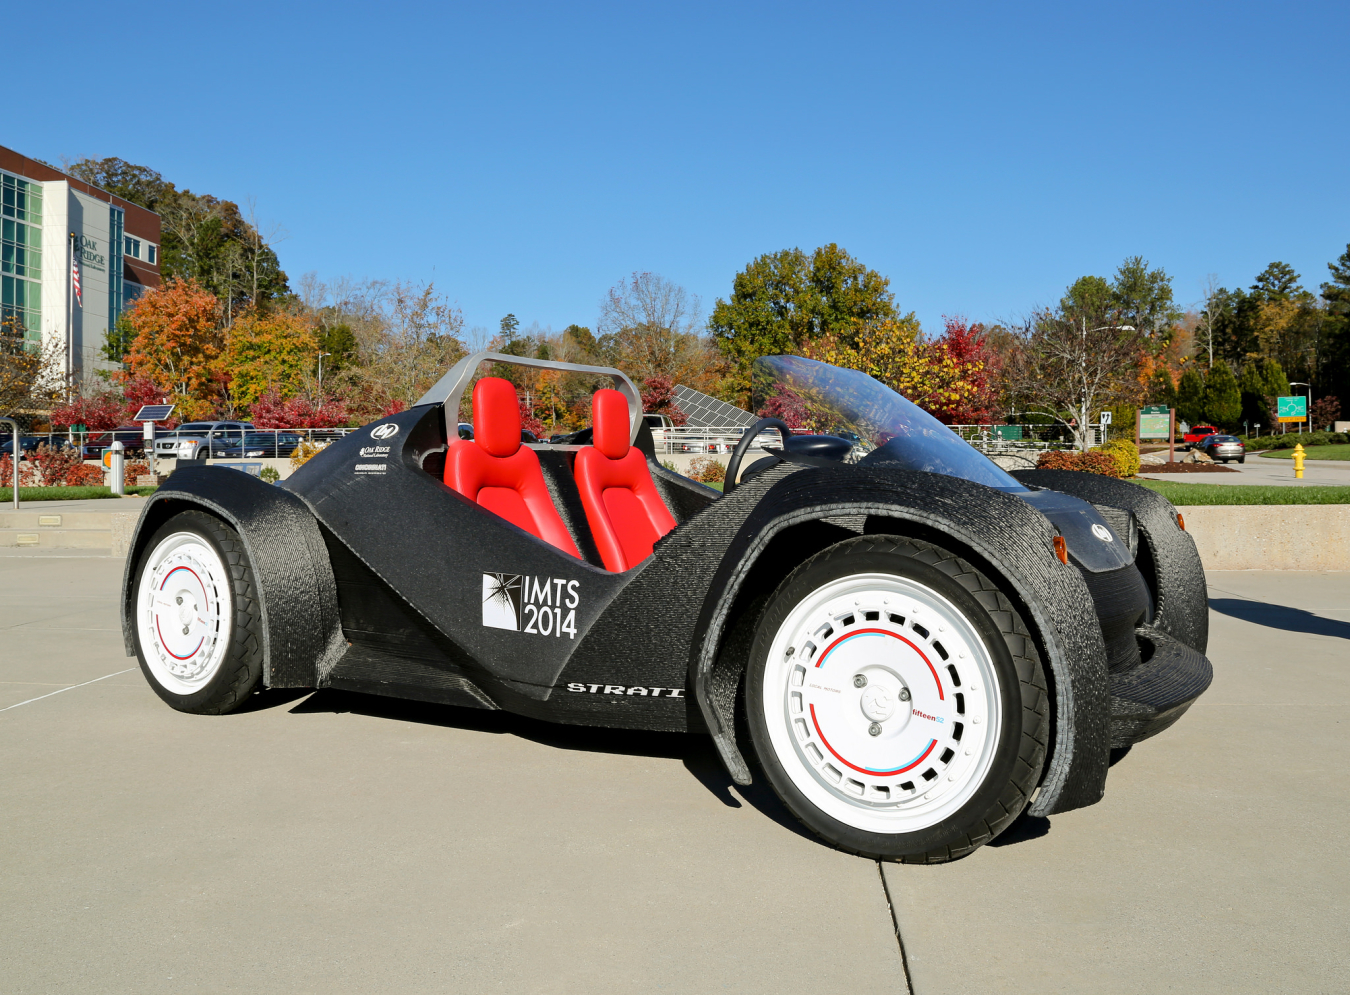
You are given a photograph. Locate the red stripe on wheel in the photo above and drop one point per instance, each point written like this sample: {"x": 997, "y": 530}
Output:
{"x": 887, "y": 632}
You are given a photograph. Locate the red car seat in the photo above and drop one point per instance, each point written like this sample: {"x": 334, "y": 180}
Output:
{"x": 624, "y": 508}
{"x": 497, "y": 473}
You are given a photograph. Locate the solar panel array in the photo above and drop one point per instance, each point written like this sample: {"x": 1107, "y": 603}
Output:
{"x": 704, "y": 411}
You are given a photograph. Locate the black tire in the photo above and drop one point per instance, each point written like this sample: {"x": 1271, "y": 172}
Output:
{"x": 1242, "y": 459}
{"x": 1018, "y": 756}
{"x": 241, "y": 665}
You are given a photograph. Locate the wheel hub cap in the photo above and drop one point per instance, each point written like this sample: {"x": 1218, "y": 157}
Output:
{"x": 184, "y": 605}
{"x": 881, "y": 701}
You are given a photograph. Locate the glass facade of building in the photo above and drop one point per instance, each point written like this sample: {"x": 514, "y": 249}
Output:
{"x": 21, "y": 254}
{"x": 116, "y": 236}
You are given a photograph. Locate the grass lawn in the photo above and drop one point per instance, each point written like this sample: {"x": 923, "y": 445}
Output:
{"x": 1312, "y": 452}
{"x": 62, "y": 494}
{"x": 1184, "y": 494}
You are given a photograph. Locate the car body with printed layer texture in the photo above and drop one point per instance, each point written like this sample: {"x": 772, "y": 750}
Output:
{"x": 909, "y": 644}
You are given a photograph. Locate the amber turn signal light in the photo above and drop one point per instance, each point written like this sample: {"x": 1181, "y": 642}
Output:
{"x": 1061, "y": 550}
{"x": 1181, "y": 521}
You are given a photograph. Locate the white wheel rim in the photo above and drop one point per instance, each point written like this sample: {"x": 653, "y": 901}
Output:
{"x": 932, "y": 750}
{"x": 183, "y": 612}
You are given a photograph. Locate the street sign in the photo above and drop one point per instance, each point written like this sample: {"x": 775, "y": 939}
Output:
{"x": 1154, "y": 425}
{"x": 1153, "y": 409}
{"x": 1292, "y": 408}
{"x": 153, "y": 412}
{"x": 1106, "y": 418}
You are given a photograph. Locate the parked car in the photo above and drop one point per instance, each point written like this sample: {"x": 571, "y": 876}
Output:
{"x": 132, "y": 438}
{"x": 1197, "y": 435}
{"x": 916, "y": 647}
{"x": 28, "y": 443}
{"x": 271, "y": 445}
{"x": 1222, "y": 448}
{"x": 201, "y": 440}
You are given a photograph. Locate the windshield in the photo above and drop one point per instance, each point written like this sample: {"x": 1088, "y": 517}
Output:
{"x": 886, "y": 427}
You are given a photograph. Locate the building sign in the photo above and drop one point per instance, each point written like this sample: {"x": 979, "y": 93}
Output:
{"x": 1292, "y": 409}
{"x": 90, "y": 254}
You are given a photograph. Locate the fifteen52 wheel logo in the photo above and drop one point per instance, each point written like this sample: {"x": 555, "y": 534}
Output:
{"x": 544, "y": 606}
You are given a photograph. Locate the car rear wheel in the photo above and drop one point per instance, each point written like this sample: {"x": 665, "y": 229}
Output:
{"x": 896, "y": 702}
{"x": 197, "y": 621}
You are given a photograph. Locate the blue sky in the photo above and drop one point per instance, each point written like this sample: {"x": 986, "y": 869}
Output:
{"x": 526, "y": 157}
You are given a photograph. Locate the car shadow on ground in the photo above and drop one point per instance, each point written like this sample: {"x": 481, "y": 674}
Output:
{"x": 695, "y": 751}
{"x": 1280, "y": 617}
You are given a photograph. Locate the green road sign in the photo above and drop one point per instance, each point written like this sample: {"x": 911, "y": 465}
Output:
{"x": 1008, "y": 433}
{"x": 1155, "y": 426}
{"x": 1293, "y": 408}
{"x": 1153, "y": 409}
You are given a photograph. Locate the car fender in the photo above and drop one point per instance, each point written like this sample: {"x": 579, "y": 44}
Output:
{"x": 302, "y": 635}
{"x": 1182, "y": 609}
{"x": 1005, "y": 535}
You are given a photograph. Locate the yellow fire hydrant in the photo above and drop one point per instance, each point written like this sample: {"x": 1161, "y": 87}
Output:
{"x": 1298, "y": 461}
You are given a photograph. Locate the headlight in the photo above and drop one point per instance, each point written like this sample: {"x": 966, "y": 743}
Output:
{"x": 255, "y": 452}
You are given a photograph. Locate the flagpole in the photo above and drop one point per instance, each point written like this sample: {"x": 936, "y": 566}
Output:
{"x": 70, "y": 311}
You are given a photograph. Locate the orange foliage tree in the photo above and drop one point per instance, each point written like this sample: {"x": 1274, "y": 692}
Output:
{"x": 177, "y": 344}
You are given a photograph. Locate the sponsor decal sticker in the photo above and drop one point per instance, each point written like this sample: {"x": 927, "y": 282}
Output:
{"x": 540, "y": 606}
{"x": 371, "y": 468}
{"x": 1102, "y": 533}
{"x": 386, "y": 431}
{"x": 368, "y": 451}
{"x": 624, "y": 690}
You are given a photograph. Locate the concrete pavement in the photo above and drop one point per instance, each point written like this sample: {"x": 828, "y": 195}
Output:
{"x": 341, "y": 843}
{"x": 1260, "y": 470}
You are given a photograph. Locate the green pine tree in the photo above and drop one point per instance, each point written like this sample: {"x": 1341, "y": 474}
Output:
{"x": 1252, "y": 387}
{"x": 1191, "y": 397}
{"x": 1223, "y": 400}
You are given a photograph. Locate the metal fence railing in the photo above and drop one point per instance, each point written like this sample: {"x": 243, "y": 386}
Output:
{"x": 1007, "y": 438}
{"x": 711, "y": 440}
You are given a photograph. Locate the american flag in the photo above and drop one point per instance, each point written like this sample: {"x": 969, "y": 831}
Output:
{"x": 75, "y": 276}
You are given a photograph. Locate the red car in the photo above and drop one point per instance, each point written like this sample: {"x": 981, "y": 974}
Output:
{"x": 1199, "y": 434}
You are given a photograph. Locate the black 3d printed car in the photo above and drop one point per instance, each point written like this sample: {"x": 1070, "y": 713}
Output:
{"x": 912, "y": 645}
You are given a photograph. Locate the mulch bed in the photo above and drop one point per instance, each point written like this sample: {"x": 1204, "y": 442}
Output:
{"x": 1185, "y": 468}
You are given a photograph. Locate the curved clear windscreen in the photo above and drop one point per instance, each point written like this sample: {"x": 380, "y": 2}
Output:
{"x": 883, "y": 426}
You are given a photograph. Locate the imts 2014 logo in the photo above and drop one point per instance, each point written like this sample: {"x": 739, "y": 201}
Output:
{"x": 543, "y": 606}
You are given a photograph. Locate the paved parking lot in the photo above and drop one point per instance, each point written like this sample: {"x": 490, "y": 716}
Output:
{"x": 339, "y": 843}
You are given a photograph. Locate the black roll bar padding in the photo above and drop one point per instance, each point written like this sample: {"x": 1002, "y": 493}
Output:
{"x": 742, "y": 447}
{"x": 450, "y": 388}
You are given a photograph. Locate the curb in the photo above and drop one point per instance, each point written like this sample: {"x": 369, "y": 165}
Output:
{"x": 1270, "y": 536}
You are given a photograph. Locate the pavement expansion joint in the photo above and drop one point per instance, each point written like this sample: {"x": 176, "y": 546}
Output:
{"x": 895, "y": 928}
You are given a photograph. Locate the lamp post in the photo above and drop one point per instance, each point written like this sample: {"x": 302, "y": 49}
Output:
{"x": 1082, "y": 365}
{"x": 1308, "y": 419}
{"x": 321, "y": 355}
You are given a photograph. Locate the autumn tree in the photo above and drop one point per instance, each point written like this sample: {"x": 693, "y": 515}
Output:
{"x": 264, "y": 351}
{"x": 783, "y": 300}
{"x": 1335, "y": 369}
{"x": 204, "y": 238}
{"x": 650, "y": 327}
{"x": 1071, "y": 365}
{"x": 178, "y": 342}
{"x": 895, "y": 352}
{"x": 30, "y": 373}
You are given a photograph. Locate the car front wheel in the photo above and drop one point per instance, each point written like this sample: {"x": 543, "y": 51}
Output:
{"x": 896, "y": 702}
{"x": 197, "y": 620}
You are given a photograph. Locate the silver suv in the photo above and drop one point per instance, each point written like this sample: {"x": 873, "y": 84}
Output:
{"x": 200, "y": 440}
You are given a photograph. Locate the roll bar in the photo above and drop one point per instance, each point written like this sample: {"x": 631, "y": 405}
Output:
{"x": 450, "y": 388}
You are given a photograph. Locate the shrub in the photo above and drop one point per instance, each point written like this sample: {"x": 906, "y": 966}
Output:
{"x": 132, "y": 469}
{"x": 1093, "y": 462}
{"x": 305, "y": 452}
{"x": 706, "y": 470}
{"x": 1057, "y": 459}
{"x": 670, "y": 465}
{"x": 1126, "y": 455}
{"x": 269, "y": 474}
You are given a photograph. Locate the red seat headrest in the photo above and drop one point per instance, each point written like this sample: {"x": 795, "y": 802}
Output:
{"x": 609, "y": 420}
{"x": 496, "y": 416}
